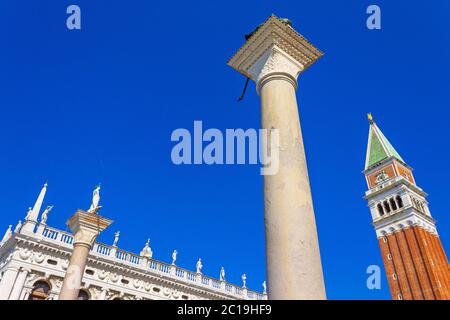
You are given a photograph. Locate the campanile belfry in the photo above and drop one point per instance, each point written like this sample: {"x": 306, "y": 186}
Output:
{"x": 414, "y": 259}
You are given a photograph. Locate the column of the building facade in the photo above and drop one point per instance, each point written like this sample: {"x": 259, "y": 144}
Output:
{"x": 19, "y": 284}
{"x": 7, "y": 282}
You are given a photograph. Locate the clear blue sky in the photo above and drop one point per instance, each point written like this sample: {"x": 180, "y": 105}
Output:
{"x": 99, "y": 105}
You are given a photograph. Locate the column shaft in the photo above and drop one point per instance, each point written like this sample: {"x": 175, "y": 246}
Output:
{"x": 7, "y": 283}
{"x": 75, "y": 272}
{"x": 293, "y": 259}
{"x": 18, "y": 285}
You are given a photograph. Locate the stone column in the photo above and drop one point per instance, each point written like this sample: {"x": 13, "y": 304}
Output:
{"x": 85, "y": 227}
{"x": 274, "y": 56}
{"x": 7, "y": 283}
{"x": 18, "y": 285}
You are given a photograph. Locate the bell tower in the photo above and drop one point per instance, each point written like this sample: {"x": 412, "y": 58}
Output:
{"x": 415, "y": 262}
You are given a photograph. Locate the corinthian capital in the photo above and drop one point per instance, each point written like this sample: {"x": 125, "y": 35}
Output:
{"x": 274, "y": 48}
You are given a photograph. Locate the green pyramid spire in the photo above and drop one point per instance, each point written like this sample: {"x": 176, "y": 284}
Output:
{"x": 379, "y": 148}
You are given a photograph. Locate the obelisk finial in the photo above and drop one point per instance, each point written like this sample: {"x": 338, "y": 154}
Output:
{"x": 370, "y": 117}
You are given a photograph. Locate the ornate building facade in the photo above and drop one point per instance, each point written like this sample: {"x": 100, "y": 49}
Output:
{"x": 415, "y": 262}
{"x": 34, "y": 258}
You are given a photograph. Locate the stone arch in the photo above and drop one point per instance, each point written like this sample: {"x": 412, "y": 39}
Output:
{"x": 380, "y": 209}
{"x": 399, "y": 201}
{"x": 84, "y": 294}
{"x": 40, "y": 290}
{"x": 387, "y": 208}
{"x": 393, "y": 204}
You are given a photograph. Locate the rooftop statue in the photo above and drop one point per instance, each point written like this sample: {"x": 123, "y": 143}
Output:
{"x": 45, "y": 214}
{"x": 199, "y": 266}
{"x": 222, "y": 274}
{"x": 116, "y": 238}
{"x": 7, "y": 235}
{"x": 147, "y": 251}
{"x": 95, "y": 207}
{"x": 30, "y": 210}
{"x": 18, "y": 226}
{"x": 174, "y": 257}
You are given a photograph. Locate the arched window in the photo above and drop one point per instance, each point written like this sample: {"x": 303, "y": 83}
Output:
{"x": 399, "y": 201}
{"x": 380, "y": 209}
{"x": 40, "y": 291}
{"x": 386, "y": 207}
{"x": 393, "y": 205}
{"x": 83, "y": 295}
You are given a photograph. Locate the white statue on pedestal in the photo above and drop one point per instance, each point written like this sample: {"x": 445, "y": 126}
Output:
{"x": 116, "y": 238}
{"x": 222, "y": 274}
{"x": 30, "y": 210}
{"x": 244, "y": 280}
{"x": 95, "y": 200}
{"x": 45, "y": 214}
{"x": 147, "y": 251}
{"x": 199, "y": 266}
{"x": 7, "y": 235}
{"x": 18, "y": 227}
{"x": 264, "y": 285}
{"x": 174, "y": 257}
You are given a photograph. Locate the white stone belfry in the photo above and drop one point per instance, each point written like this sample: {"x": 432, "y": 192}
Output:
{"x": 274, "y": 56}
{"x": 33, "y": 215}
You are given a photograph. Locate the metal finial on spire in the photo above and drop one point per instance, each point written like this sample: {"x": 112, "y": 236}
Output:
{"x": 370, "y": 117}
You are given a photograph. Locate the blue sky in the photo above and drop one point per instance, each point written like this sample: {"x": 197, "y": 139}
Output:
{"x": 100, "y": 104}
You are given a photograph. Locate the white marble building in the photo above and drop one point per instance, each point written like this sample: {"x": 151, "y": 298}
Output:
{"x": 34, "y": 258}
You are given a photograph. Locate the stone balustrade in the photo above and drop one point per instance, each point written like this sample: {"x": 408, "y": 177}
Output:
{"x": 171, "y": 271}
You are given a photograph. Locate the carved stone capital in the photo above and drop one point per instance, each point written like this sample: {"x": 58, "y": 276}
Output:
{"x": 274, "y": 48}
{"x": 275, "y": 63}
{"x": 86, "y": 227}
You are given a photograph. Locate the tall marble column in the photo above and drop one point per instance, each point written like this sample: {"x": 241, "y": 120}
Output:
{"x": 85, "y": 227}
{"x": 274, "y": 56}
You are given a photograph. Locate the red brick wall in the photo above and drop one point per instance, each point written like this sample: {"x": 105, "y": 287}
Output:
{"x": 420, "y": 265}
{"x": 403, "y": 170}
{"x": 389, "y": 170}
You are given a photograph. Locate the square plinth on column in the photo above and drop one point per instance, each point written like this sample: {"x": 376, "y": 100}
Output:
{"x": 87, "y": 226}
{"x": 277, "y": 35}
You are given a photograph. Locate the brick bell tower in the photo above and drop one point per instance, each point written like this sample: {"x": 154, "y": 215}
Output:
{"x": 414, "y": 259}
